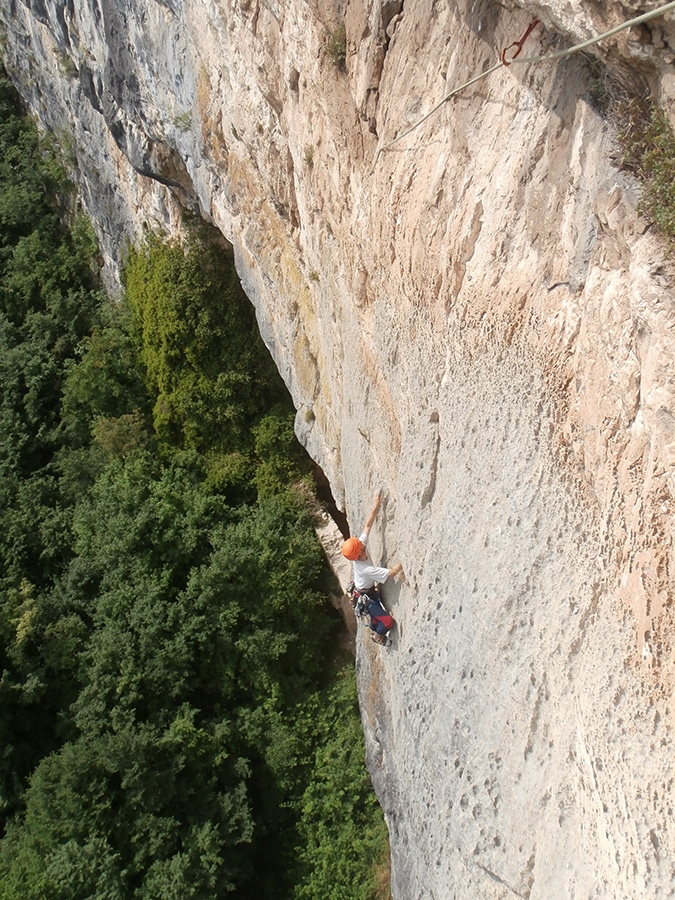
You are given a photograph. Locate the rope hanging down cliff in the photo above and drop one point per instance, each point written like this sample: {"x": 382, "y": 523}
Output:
{"x": 504, "y": 61}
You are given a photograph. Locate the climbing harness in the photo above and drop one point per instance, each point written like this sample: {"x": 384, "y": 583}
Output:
{"x": 369, "y": 610}
{"x": 359, "y": 601}
{"x": 514, "y": 58}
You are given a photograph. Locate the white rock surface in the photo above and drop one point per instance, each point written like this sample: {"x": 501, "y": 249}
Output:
{"x": 481, "y": 325}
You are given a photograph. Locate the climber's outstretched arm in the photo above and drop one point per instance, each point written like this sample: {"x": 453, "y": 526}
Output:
{"x": 372, "y": 514}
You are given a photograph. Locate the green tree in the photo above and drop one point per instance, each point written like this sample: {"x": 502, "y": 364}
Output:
{"x": 49, "y": 297}
{"x": 206, "y": 634}
{"x": 206, "y": 366}
{"x": 342, "y": 835}
{"x": 168, "y": 718}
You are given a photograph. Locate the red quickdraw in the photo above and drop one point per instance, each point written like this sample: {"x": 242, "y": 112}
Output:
{"x": 518, "y": 44}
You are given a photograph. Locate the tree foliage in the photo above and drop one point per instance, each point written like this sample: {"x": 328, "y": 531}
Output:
{"x": 206, "y": 367}
{"x": 48, "y": 300}
{"x": 171, "y": 725}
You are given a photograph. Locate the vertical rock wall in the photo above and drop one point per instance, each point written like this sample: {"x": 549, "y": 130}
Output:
{"x": 480, "y": 324}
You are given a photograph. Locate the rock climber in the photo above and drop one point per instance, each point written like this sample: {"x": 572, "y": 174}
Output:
{"x": 367, "y": 577}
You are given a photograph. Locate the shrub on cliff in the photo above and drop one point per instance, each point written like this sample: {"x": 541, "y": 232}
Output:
{"x": 646, "y": 138}
{"x": 649, "y": 152}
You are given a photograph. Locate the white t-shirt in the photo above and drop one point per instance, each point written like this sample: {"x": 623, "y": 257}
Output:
{"x": 365, "y": 573}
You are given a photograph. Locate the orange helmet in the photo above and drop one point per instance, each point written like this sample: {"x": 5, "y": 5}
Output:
{"x": 352, "y": 548}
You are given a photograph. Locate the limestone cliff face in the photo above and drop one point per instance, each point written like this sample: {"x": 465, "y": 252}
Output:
{"x": 480, "y": 324}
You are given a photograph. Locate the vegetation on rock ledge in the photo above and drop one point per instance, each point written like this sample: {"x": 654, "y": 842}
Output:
{"x": 647, "y": 142}
{"x": 649, "y": 145}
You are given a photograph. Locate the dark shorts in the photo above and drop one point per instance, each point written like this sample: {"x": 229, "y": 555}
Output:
{"x": 380, "y": 620}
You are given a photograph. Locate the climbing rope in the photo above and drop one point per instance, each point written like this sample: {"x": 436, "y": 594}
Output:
{"x": 505, "y": 61}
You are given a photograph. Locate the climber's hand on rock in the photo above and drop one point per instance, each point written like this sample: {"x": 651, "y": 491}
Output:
{"x": 396, "y": 570}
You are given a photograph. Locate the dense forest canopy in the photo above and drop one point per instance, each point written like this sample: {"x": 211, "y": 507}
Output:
{"x": 176, "y": 722}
